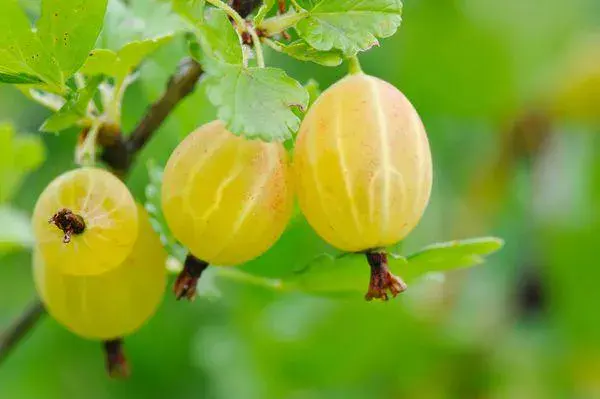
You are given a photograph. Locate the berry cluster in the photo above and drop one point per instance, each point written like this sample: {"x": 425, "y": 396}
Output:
{"x": 361, "y": 170}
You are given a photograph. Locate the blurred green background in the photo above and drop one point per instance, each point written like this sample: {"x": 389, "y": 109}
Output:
{"x": 510, "y": 94}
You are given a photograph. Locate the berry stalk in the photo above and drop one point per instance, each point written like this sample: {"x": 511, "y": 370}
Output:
{"x": 185, "y": 285}
{"x": 116, "y": 363}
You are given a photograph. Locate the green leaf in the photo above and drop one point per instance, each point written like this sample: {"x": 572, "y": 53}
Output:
{"x": 350, "y": 25}
{"x": 100, "y": 61}
{"x": 19, "y": 154}
{"x": 69, "y": 29}
{"x": 120, "y": 64}
{"x": 256, "y": 102}
{"x": 219, "y": 39}
{"x": 74, "y": 109}
{"x": 349, "y": 274}
{"x": 453, "y": 255}
{"x": 22, "y": 55}
{"x": 16, "y": 230}
{"x": 264, "y": 9}
{"x": 157, "y": 219}
{"x": 302, "y": 51}
{"x": 137, "y": 21}
{"x": 191, "y": 10}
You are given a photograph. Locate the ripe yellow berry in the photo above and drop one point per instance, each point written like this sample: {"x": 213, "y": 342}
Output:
{"x": 226, "y": 198}
{"x": 85, "y": 222}
{"x": 362, "y": 165}
{"x": 112, "y": 304}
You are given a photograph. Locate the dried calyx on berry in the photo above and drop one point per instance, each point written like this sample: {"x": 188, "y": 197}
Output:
{"x": 382, "y": 279}
{"x": 69, "y": 222}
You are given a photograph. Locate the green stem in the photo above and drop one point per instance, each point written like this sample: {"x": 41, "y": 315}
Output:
{"x": 260, "y": 58}
{"x": 354, "y": 66}
{"x": 278, "y": 24}
{"x": 273, "y": 44}
{"x": 113, "y": 112}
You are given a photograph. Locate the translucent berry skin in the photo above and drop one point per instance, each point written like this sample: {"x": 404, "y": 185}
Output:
{"x": 113, "y": 304}
{"x": 108, "y": 211}
{"x": 227, "y": 198}
{"x": 362, "y": 165}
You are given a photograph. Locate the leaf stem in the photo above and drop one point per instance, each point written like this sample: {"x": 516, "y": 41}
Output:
{"x": 260, "y": 58}
{"x": 354, "y": 66}
{"x": 273, "y": 44}
{"x": 296, "y": 5}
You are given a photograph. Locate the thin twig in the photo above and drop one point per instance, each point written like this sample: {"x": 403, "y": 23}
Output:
{"x": 15, "y": 333}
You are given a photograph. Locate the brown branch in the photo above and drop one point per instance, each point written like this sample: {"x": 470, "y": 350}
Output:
{"x": 180, "y": 85}
{"x": 121, "y": 152}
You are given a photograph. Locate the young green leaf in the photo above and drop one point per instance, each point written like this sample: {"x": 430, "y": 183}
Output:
{"x": 19, "y": 154}
{"x": 256, "y": 102}
{"x": 453, "y": 255}
{"x": 192, "y": 10}
{"x": 137, "y": 21}
{"x": 302, "y": 51}
{"x": 69, "y": 29}
{"x": 350, "y": 25}
{"x": 100, "y": 62}
{"x": 219, "y": 39}
{"x": 119, "y": 64}
{"x": 23, "y": 58}
{"x": 74, "y": 109}
{"x": 16, "y": 230}
{"x": 157, "y": 219}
